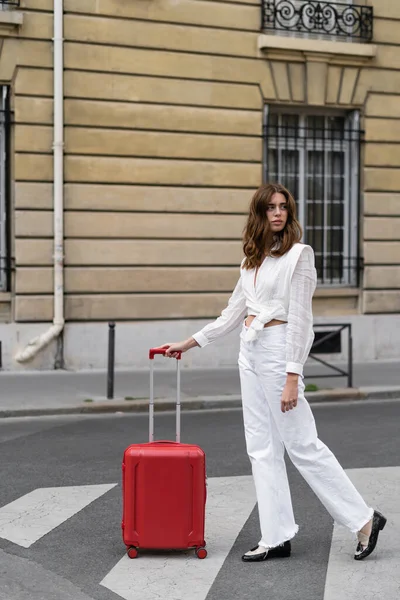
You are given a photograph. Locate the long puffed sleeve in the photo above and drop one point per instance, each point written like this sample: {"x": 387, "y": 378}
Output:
{"x": 231, "y": 317}
{"x": 300, "y": 334}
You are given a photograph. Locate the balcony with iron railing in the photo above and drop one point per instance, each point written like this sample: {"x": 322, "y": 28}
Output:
{"x": 11, "y": 18}
{"x": 9, "y": 4}
{"x": 312, "y": 18}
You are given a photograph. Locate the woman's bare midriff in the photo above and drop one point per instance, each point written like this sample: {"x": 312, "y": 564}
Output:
{"x": 250, "y": 318}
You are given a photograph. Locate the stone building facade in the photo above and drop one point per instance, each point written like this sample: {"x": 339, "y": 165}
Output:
{"x": 173, "y": 113}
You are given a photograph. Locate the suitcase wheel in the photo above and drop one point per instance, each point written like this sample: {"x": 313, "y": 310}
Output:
{"x": 201, "y": 552}
{"x": 132, "y": 552}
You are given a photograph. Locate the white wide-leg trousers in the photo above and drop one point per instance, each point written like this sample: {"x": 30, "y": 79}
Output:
{"x": 268, "y": 431}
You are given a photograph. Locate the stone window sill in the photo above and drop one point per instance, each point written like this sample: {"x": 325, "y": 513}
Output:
{"x": 10, "y": 21}
{"x": 317, "y": 48}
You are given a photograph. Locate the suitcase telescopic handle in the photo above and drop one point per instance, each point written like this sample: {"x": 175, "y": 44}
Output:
{"x": 152, "y": 353}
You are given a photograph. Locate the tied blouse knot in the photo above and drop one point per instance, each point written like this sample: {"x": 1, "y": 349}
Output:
{"x": 282, "y": 288}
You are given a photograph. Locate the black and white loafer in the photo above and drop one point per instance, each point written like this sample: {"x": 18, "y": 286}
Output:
{"x": 259, "y": 553}
{"x": 366, "y": 544}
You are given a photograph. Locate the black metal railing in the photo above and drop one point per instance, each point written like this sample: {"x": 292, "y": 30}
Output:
{"x": 330, "y": 342}
{"x": 7, "y": 3}
{"x": 320, "y": 18}
{"x": 317, "y": 159}
{"x": 5, "y": 274}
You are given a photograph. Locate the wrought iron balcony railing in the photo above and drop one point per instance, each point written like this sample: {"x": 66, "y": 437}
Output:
{"x": 318, "y": 18}
{"x": 6, "y": 4}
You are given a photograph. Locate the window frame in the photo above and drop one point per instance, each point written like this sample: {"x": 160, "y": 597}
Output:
{"x": 349, "y": 257}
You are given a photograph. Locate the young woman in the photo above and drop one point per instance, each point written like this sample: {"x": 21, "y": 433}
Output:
{"x": 274, "y": 296}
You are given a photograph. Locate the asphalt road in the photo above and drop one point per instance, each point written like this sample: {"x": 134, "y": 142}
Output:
{"x": 73, "y": 558}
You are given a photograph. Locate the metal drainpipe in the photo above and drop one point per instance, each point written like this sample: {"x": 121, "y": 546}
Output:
{"x": 40, "y": 342}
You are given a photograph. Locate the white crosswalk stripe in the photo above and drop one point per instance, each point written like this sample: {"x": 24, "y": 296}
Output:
{"x": 230, "y": 501}
{"x": 178, "y": 575}
{"x": 377, "y": 576}
{"x": 29, "y": 518}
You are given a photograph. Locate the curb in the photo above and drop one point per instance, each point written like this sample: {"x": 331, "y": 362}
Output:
{"x": 198, "y": 403}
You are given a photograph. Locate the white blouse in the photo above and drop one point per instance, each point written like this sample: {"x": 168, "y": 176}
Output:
{"x": 281, "y": 289}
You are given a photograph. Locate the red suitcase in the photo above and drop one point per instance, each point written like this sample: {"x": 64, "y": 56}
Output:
{"x": 164, "y": 489}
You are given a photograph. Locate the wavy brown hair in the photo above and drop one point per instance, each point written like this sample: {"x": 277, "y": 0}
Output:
{"x": 258, "y": 239}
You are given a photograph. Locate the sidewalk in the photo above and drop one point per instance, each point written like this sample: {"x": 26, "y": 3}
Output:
{"x": 64, "y": 392}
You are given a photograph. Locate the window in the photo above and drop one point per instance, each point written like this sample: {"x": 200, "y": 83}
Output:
{"x": 317, "y": 158}
{"x": 4, "y": 196}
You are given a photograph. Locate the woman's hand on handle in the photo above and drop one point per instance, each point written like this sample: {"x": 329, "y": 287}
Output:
{"x": 290, "y": 392}
{"x": 171, "y": 350}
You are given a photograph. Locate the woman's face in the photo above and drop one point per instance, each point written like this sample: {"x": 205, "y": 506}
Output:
{"x": 277, "y": 212}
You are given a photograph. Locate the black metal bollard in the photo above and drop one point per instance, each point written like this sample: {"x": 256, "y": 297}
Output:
{"x": 111, "y": 361}
{"x": 350, "y": 364}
